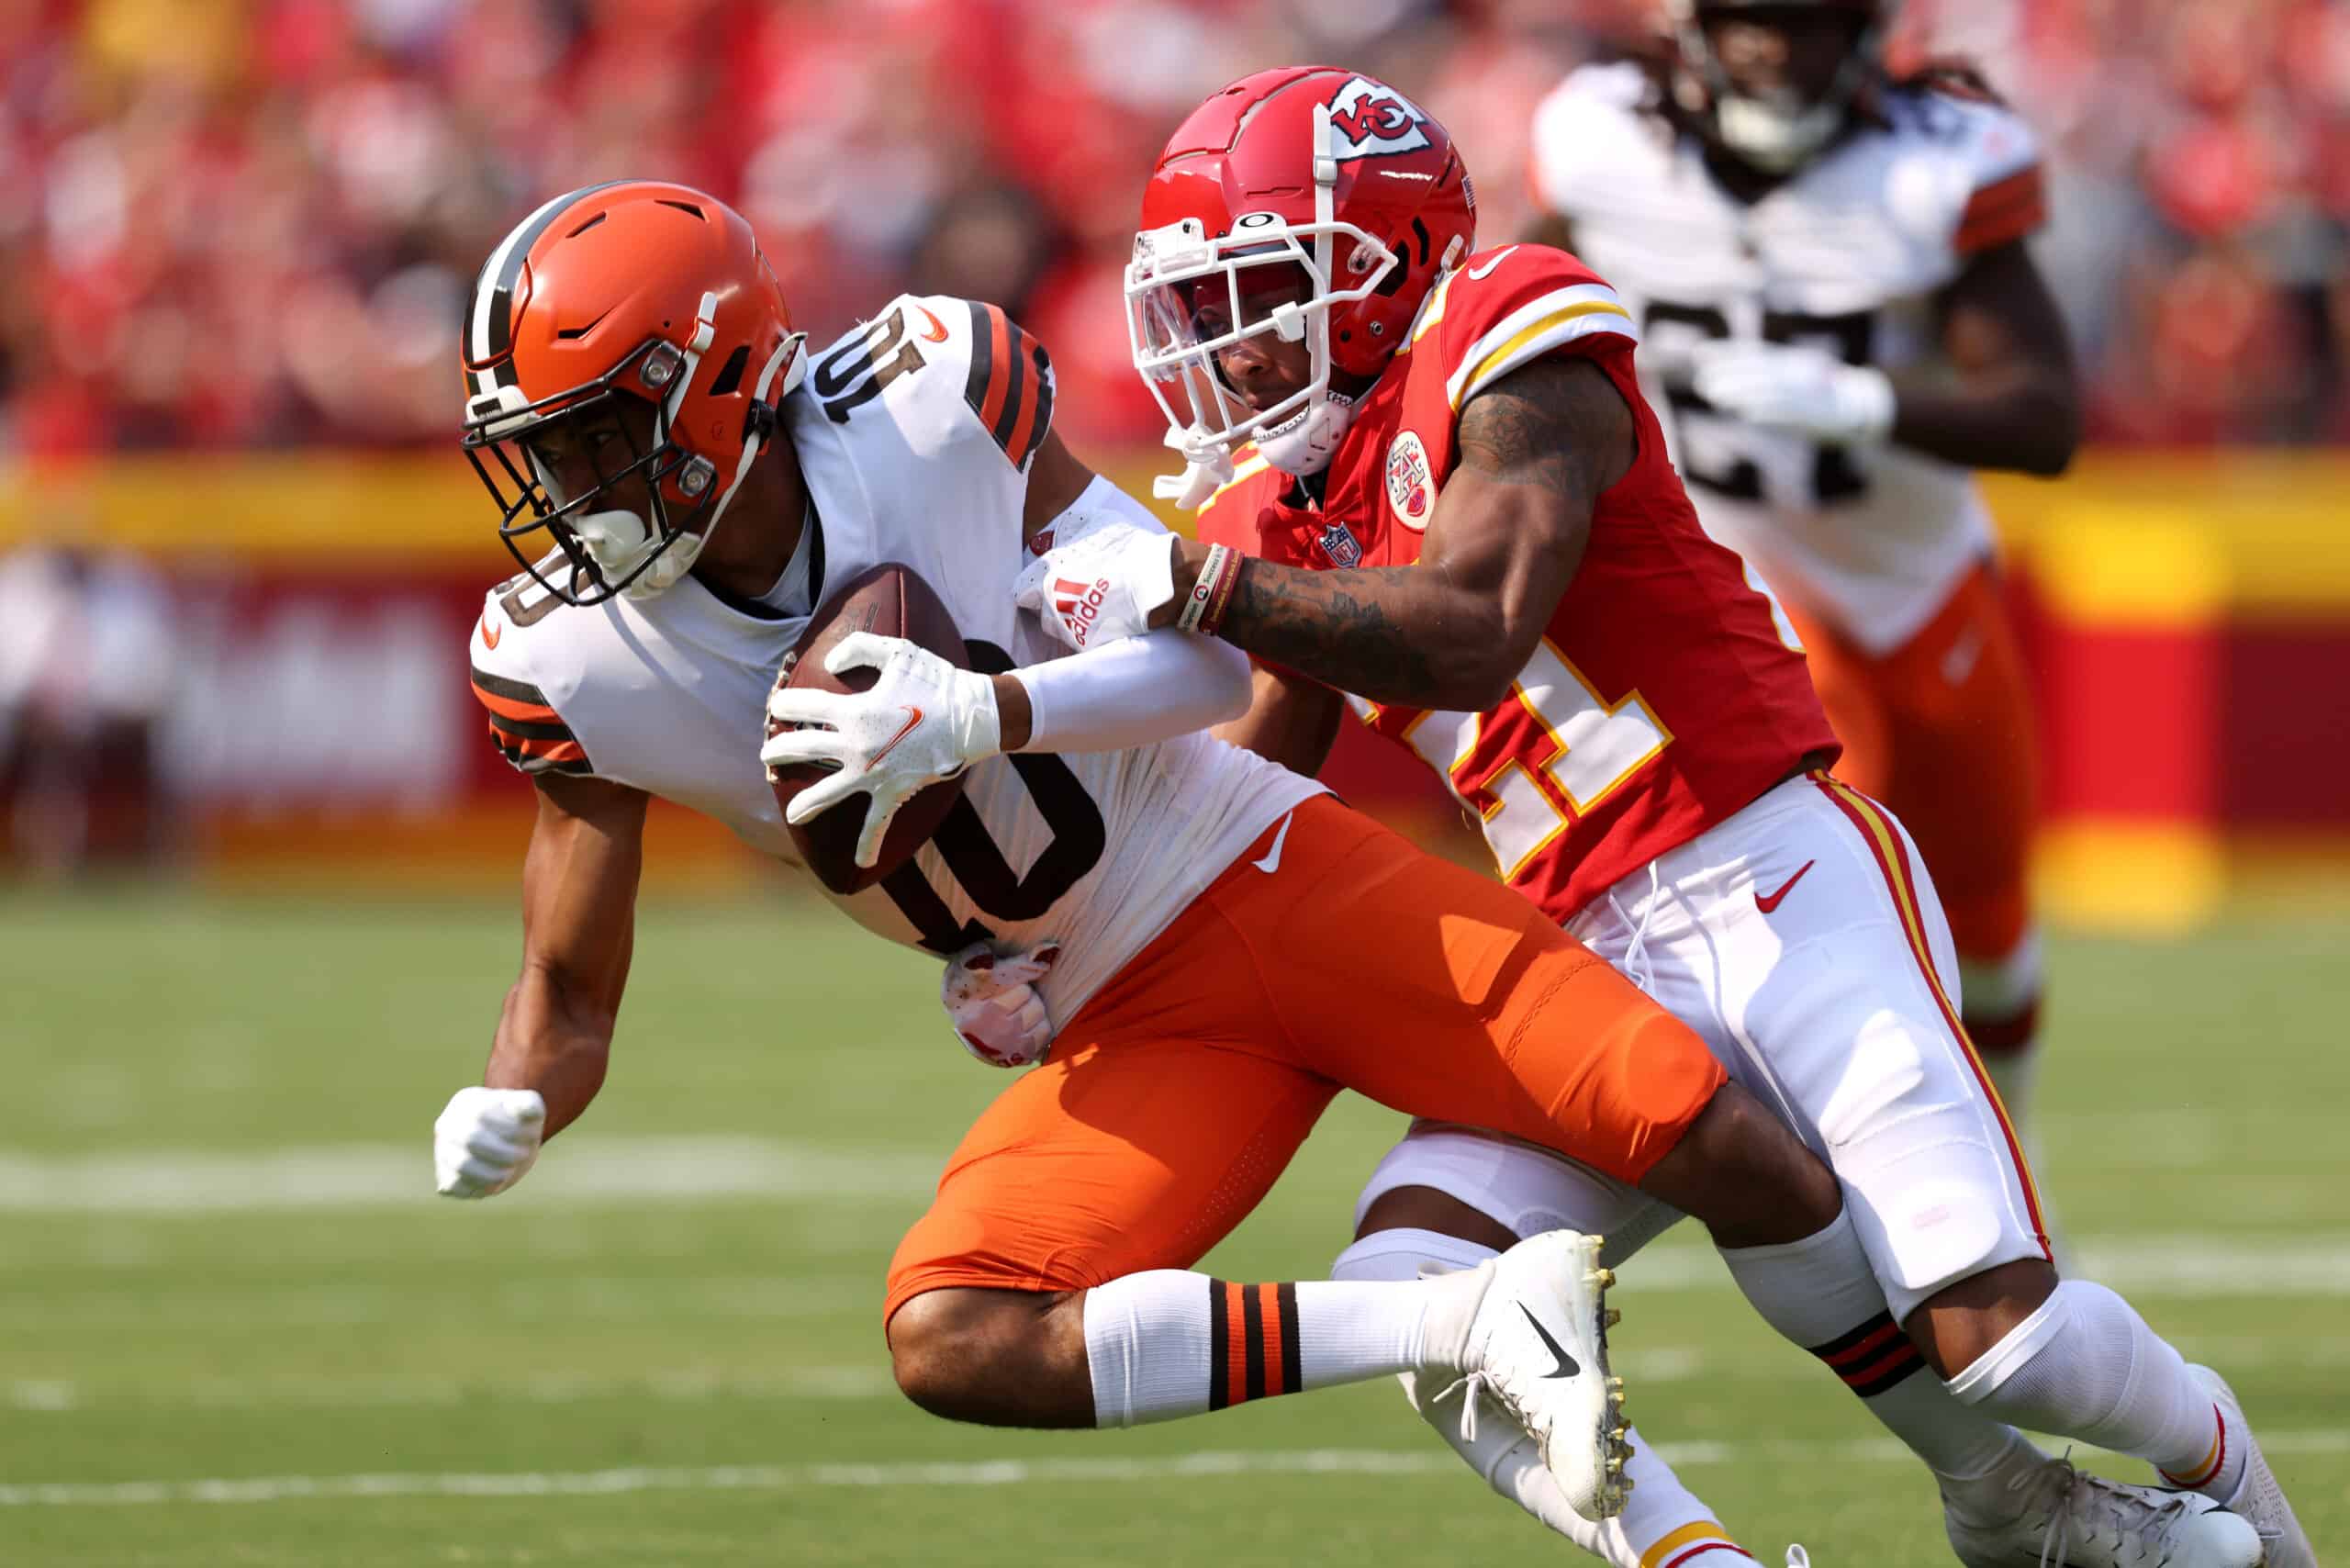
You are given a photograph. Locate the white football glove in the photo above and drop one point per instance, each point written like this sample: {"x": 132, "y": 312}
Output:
{"x": 991, "y": 1000}
{"x": 921, "y": 721}
{"x": 1803, "y": 390}
{"x": 1100, "y": 587}
{"x": 485, "y": 1139}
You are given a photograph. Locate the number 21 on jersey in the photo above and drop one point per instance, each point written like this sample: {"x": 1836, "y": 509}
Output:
{"x": 1548, "y": 753}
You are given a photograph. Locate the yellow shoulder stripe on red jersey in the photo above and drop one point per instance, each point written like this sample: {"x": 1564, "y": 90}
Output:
{"x": 1242, "y": 472}
{"x": 1531, "y": 331}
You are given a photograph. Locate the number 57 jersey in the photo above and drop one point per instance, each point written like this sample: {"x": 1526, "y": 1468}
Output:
{"x": 1667, "y": 692}
{"x": 915, "y": 433}
{"x": 1847, "y": 255}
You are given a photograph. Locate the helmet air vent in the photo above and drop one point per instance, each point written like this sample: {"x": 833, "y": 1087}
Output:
{"x": 729, "y": 375}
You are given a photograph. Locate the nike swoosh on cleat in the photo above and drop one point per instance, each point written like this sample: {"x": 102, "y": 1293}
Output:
{"x": 1568, "y": 1366}
{"x": 913, "y": 717}
{"x": 1272, "y": 860}
{"x": 1768, "y": 904}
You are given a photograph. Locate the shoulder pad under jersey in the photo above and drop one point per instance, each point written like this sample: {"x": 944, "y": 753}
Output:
{"x": 1593, "y": 138}
{"x": 505, "y": 645}
{"x": 1502, "y": 307}
{"x": 945, "y": 371}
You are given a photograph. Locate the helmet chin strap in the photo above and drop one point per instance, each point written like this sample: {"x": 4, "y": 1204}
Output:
{"x": 1305, "y": 444}
{"x": 620, "y": 541}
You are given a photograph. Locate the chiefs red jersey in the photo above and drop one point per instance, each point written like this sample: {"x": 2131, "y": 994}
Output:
{"x": 1670, "y": 690}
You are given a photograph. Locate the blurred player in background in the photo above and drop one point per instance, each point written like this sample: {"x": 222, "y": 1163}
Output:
{"x": 1456, "y": 508}
{"x": 640, "y": 407}
{"x": 1840, "y": 317}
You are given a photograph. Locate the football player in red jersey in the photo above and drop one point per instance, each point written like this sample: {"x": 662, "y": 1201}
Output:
{"x": 632, "y": 382}
{"x": 1432, "y": 483}
{"x": 1829, "y": 403}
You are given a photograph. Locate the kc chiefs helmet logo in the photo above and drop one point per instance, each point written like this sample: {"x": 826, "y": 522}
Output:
{"x": 1372, "y": 120}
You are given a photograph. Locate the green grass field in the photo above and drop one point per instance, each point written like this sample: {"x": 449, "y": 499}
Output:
{"x": 236, "y": 1328}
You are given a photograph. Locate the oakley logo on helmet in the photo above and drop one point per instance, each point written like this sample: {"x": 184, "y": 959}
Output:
{"x": 1369, "y": 119}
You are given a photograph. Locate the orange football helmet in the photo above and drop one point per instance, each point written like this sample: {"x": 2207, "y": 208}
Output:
{"x": 633, "y": 289}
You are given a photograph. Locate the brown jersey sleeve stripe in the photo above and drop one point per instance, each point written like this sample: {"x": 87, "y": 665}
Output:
{"x": 1010, "y": 383}
{"x": 544, "y": 756}
{"x": 514, "y": 700}
{"x": 530, "y": 730}
{"x": 1037, "y": 409}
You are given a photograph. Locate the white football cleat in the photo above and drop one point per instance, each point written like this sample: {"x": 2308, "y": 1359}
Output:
{"x": 1538, "y": 1344}
{"x": 2067, "y": 1520}
{"x": 2257, "y": 1496}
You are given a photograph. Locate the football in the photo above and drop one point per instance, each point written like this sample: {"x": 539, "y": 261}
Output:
{"x": 892, "y": 601}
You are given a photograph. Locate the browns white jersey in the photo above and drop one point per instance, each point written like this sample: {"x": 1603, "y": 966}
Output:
{"x": 915, "y": 433}
{"x": 1848, "y": 255}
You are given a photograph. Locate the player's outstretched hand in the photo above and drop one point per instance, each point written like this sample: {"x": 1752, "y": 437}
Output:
{"x": 1803, "y": 390}
{"x": 922, "y": 720}
{"x": 485, "y": 1139}
{"x": 1102, "y": 587}
{"x": 991, "y": 998}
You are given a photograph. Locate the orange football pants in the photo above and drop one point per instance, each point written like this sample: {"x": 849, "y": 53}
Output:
{"x": 1178, "y": 1093}
{"x": 1941, "y": 730}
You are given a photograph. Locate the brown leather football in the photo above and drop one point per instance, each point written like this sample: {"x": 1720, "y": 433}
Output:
{"x": 892, "y": 601}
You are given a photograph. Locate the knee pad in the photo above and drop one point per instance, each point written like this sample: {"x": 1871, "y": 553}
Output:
{"x": 1404, "y": 1254}
{"x": 1525, "y": 1190}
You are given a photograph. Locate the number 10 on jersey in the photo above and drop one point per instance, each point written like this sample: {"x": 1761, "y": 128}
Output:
{"x": 1550, "y": 753}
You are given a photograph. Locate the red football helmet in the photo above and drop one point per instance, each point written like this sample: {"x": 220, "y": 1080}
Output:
{"x": 631, "y": 289}
{"x": 1316, "y": 171}
{"x": 1779, "y": 132}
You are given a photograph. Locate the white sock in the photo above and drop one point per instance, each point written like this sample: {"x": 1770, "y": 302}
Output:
{"x": 1661, "y": 1517}
{"x": 1821, "y": 1295}
{"x": 2087, "y": 1366}
{"x": 1171, "y": 1342}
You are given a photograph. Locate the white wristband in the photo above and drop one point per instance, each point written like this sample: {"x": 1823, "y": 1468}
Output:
{"x": 1196, "y": 603}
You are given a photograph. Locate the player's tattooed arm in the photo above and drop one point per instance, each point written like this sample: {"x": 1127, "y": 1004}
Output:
{"x": 1537, "y": 448}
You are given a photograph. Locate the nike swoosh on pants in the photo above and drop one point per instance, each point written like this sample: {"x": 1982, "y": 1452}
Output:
{"x": 1272, "y": 860}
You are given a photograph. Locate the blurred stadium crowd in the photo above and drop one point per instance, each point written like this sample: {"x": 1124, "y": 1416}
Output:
{"x": 252, "y": 223}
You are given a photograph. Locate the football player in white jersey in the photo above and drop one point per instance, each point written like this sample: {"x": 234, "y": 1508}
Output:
{"x": 1842, "y": 319}
{"x": 640, "y": 409}
{"x": 1841, "y": 322}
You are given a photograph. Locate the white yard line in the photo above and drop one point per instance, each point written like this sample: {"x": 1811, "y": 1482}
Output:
{"x": 342, "y": 1176}
{"x": 998, "y": 1472}
{"x": 647, "y": 1170}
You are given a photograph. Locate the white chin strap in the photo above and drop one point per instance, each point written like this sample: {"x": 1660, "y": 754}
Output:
{"x": 1305, "y": 443}
{"x": 620, "y": 541}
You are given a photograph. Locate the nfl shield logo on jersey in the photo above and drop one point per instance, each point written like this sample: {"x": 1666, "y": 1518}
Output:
{"x": 1338, "y": 543}
{"x": 1408, "y": 488}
